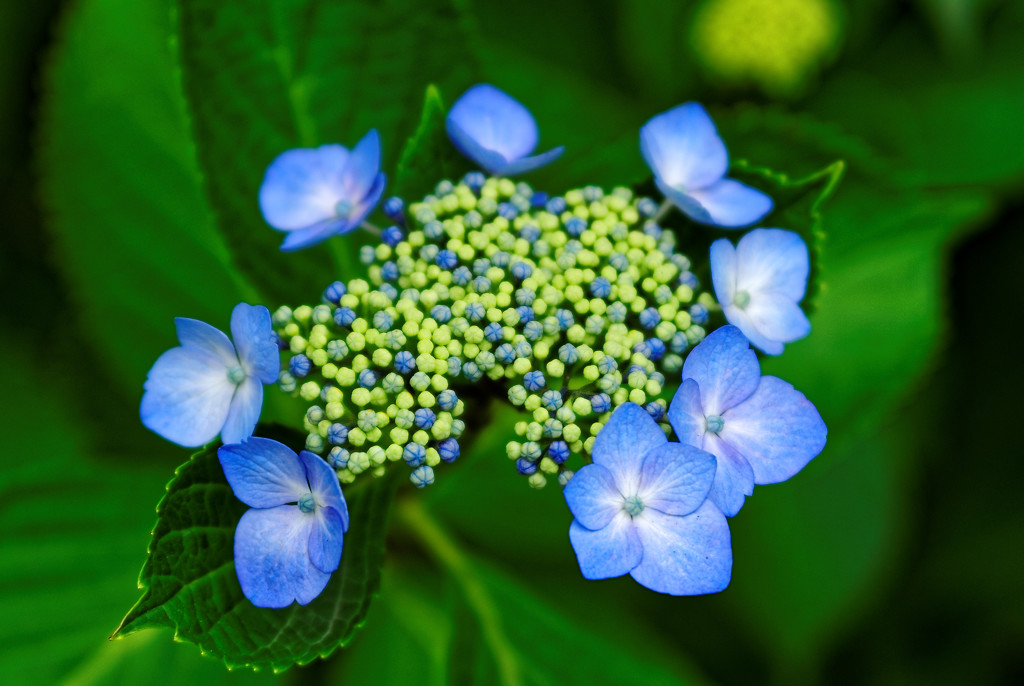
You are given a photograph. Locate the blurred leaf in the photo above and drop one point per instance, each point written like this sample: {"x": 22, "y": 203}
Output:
{"x": 264, "y": 77}
{"x": 131, "y": 230}
{"x": 191, "y": 586}
{"x": 652, "y": 46}
{"x": 428, "y": 155}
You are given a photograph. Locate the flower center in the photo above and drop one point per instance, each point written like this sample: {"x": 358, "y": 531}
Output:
{"x": 714, "y": 423}
{"x": 343, "y": 208}
{"x": 633, "y": 506}
{"x": 306, "y": 503}
{"x": 236, "y": 374}
{"x": 741, "y": 299}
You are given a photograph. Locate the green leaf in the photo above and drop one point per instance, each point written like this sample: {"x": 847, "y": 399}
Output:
{"x": 428, "y": 155}
{"x": 264, "y": 77}
{"x": 190, "y": 582}
{"x": 131, "y": 229}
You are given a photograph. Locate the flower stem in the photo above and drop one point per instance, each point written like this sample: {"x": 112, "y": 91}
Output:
{"x": 666, "y": 207}
{"x": 445, "y": 551}
{"x": 371, "y": 228}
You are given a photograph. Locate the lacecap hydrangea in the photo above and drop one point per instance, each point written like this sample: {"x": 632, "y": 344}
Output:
{"x": 582, "y": 310}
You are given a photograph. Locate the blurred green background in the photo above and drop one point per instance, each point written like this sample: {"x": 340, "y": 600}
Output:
{"x": 133, "y": 134}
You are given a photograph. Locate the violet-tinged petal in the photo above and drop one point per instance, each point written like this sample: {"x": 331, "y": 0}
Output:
{"x": 685, "y": 202}
{"x": 608, "y": 552}
{"x": 734, "y": 477}
{"x": 686, "y": 414}
{"x": 769, "y": 320}
{"x": 528, "y": 164}
{"x": 683, "y": 149}
{"x": 490, "y": 160}
{"x": 272, "y": 559}
{"x": 675, "y": 478}
{"x": 592, "y": 496}
{"x": 303, "y": 238}
{"x": 326, "y": 539}
{"x": 187, "y": 396}
{"x": 366, "y": 205}
{"x": 723, "y": 270}
{"x": 687, "y": 555}
{"x": 263, "y": 473}
{"x": 195, "y": 334}
{"x": 495, "y": 121}
{"x": 777, "y": 429}
{"x": 361, "y": 168}
{"x": 244, "y": 411}
{"x": 622, "y": 443}
{"x": 725, "y": 369}
{"x": 323, "y": 482}
{"x": 255, "y": 341}
{"x": 773, "y": 260}
{"x": 302, "y": 187}
{"x": 732, "y": 204}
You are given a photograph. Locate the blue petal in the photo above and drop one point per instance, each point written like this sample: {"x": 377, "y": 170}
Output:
{"x": 195, "y": 334}
{"x": 724, "y": 271}
{"x": 302, "y": 187}
{"x": 263, "y": 473}
{"x": 489, "y": 160}
{"x": 303, "y": 238}
{"x": 686, "y": 414}
{"x": 272, "y": 560}
{"x": 777, "y": 430}
{"x": 732, "y": 204}
{"x": 769, "y": 320}
{"x": 684, "y": 555}
{"x": 608, "y": 552}
{"x": 366, "y": 205}
{"x": 734, "y": 477}
{"x": 323, "y": 482}
{"x": 685, "y": 202}
{"x": 495, "y": 121}
{"x": 527, "y": 164}
{"x": 676, "y": 478}
{"x": 683, "y": 148}
{"x": 623, "y": 442}
{"x": 326, "y": 539}
{"x": 361, "y": 168}
{"x": 725, "y": 369}
{"x": 592, "y": 496}
{"x": 256, "y": 341}
{"x": 244, "y": 412}
{"x": 773, "y": 260}
{"x": 187, "y": 396}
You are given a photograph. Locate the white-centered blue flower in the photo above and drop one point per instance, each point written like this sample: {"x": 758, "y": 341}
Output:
{"x": 289, "y": 543}
{"x": 761, "y": 429}
{"x": 689, "y": 161}
{"x": 494, "y": 130}
{"x": 641, "y": 509}
{"x": 209, "y": 386}
{"x": 316, "y": 193}
{"x": 760, "y": 284}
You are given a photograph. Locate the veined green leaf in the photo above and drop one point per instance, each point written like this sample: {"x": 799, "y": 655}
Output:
{"x": 428, "y": 156}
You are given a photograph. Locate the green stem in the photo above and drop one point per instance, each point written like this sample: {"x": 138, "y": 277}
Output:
{"x": 665, "y": 208}
{"x": 444, "y": 550}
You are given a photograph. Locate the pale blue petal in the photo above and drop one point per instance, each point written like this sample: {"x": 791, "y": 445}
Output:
{"x": 489, "y": 160}
{"x": 244, "y": 412}
{"x": 734, "y": 477}
{"x": 773, "y": 261}
{"x": 592, "y": 496}
{"x": 688, "y": 555}
{"x": 323, "y": 482}
{"x": 676, "y": 478}
{"x": 361, "y": 168}
{"x": 683, "y": 148}
{"x": 686, "y": 203}
{"x": 777, "y": 430}
{"x": 366, "y": 205}
{"x": 774, "y": 318}
{"x": 686, "y": 414}
{"x": 723, "y": 270}
{"x": 187, "y": 396}
{"x": 272, "y": 559}
{"x": 742, "y": 320}
{"x": 608, "y": 552}
{"x": 303, "y": 238}
{"x": 623, "y": 442}
{"x": 326, "y": 539}
{"x": 302, "y": 187}
{"x": 725, "y": 369}
{"x": 527, "y": 164}
{"x": 256, "y": 341}
{"x": 495, "y": 121}
{"x": 263, "y": 473}
{"x": 732, "y": 204}
{"x": 195, "y": 334}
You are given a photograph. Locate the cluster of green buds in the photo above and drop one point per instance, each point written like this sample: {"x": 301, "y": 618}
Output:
{"x": 574, "y": 305}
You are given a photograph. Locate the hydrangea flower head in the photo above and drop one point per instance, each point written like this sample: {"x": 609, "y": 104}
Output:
{"x": 760, "y": 284}
{"x": 689, "y": 161}
{"x": 494, "y": 130}
{"x": 315, "y": 193}
{"x": 289, "y": 543}
{"x": 641, "y": 509}
{"x": 209, "y": 386}
{"x": 761, "y": 429}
